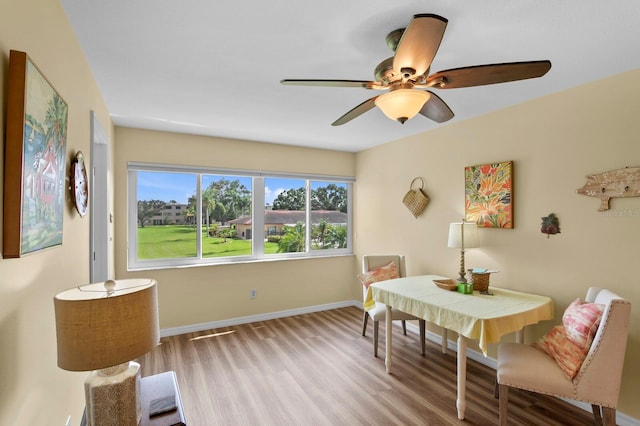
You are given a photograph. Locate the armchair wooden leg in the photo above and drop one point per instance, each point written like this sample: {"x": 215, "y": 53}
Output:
{"x": 609, "y": 416}
{"x": 423, "y": 327}
{"x": 503, "y": 403}
{"x": 365, "y": 318}
{"x": 404, "y": 327}
{"x": 597, "y": 417}
{"x": 375, "y": 337}
{"x": 603, "y": 415}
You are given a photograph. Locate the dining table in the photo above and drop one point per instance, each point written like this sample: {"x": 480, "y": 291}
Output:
{"x": 481, "y": 316}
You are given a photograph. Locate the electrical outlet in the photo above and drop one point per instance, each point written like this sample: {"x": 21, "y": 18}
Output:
{"x": 252, "y": 293}
{"x": 68, "y": 423}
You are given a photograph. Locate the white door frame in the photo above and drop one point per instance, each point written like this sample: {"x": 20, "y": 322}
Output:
{"x": 100, "y": 199}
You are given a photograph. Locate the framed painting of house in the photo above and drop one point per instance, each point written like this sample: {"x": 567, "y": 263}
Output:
{"x": 488, "y": 194}
{"x": 35, "y": 161}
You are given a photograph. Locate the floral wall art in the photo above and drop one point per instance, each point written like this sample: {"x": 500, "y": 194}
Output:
{"x": 488, "y": 193}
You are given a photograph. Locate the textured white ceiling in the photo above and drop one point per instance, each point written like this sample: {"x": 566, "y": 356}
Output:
{"x": 214, "y": 68}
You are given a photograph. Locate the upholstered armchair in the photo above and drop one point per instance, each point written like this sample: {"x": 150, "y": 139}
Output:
{"x": 597, "y": 378}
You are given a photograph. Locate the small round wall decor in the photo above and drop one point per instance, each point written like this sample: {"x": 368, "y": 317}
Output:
{"x": 79, "y": 184}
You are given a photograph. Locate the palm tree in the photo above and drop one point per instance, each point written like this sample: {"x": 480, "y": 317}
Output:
{"x": 319, "y": 232}
{"x": 55, "y": 122}
{"x": 293, "y": 239}
{"x": 337, "y": 236}
{"x": 208, "y": 203}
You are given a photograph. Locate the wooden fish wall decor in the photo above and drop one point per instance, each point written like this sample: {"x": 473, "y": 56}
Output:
{"x": 615, "y": 183}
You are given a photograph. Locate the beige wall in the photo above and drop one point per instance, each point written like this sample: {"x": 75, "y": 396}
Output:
{"x": 205, "y": 294}
{"x": 554, "y": 142}
{"x": 33, "y": 390}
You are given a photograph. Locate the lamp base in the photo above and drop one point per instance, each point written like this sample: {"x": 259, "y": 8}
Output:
{"x": 113, "y": 396}
{"x": 462, "y": 274}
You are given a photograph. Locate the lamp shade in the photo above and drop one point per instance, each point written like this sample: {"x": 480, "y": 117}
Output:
{"x": 402, "y": 104}
{"x": 98, "y": 327}
{"x": 463, "y": 235}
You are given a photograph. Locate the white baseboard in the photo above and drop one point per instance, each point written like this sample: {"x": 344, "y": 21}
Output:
{"x": 192, "y": 328}
{"x": 622, "y": 419}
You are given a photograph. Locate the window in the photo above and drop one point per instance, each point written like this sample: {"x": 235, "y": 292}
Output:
{"x": 286, "y": 214}
{"x": 329, "y": 224}
{"x": 189, "y": 216}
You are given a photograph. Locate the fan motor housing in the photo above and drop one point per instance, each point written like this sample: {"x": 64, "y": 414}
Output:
{"x": 384, "y": 71}
{"x": 393, "y": 38}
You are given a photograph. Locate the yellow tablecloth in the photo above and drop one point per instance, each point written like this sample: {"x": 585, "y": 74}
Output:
{"x": 481, "y": 317}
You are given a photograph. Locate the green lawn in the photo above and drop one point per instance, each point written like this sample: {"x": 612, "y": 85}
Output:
{"x": 177, "y": 241}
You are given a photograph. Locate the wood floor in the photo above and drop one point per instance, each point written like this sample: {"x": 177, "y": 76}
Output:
{"x": 317, "y": 369}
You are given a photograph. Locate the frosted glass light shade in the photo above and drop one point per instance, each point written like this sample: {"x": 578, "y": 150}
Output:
{"x": 402, "y": 104}
{"x": 470, "y": 235}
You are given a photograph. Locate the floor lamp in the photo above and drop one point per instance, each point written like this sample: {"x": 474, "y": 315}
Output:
{"x": 463, "y": 235}
{"x": 104, "y": 327}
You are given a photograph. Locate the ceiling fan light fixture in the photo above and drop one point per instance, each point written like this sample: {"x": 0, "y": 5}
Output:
{"x": 407, "y": 75}
{"x": 402, "y": 104}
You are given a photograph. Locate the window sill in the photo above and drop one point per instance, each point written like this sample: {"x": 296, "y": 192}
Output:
{"x": 237, "y": 262}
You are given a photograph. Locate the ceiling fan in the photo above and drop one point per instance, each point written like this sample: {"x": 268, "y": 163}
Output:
{"x": 406, "y": 76}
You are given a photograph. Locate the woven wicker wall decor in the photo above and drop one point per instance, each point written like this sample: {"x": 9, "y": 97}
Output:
{"x": 416, "y": 199}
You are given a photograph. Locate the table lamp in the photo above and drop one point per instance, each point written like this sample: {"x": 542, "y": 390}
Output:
{"x": 103, "y": 327}
{"x": 463, "y": 235}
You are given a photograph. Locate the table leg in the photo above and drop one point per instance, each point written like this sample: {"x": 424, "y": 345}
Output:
{"x": 388, "y": 322}
{"x": 520, "y": 336}
{"x": 461, "y": 402}
{"x": 445, "y": 341}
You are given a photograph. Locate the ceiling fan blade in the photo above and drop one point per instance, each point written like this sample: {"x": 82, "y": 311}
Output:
{"x": 330, "y": 83}
{"x": 419, "y": 43}
{"x": 356, "y": 112}
{"x": 436, "y": 109}
{"x": 480, "y": 75}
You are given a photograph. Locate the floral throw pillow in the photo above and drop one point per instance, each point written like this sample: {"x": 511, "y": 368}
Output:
{"x": 569, "y": 343}
{"x": 567, "y": 354}
{"x": 581, "y": 321}
{"x": 381, "y": 273}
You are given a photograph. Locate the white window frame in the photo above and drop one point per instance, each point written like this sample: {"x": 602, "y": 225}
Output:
{"x": 258, "y": 208}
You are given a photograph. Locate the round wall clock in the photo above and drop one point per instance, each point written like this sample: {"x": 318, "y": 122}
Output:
{"x": 79, "y": 184}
